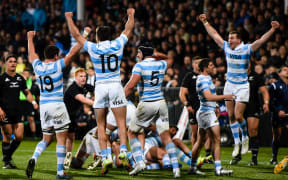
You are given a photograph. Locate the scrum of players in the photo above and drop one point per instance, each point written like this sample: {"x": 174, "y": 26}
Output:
{"x": 153, "y": 143}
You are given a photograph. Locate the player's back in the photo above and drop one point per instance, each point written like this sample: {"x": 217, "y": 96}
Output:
{"x": 152, "y": 74}
{"x": 237, "y": 62}
{"x": 154, "y": 141}
{"x": 49, "y": 77}
{"x": 106, "y": 57}
{"x": 204, "y": 83}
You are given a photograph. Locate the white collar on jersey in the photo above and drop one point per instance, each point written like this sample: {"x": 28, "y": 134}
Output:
{"x": 149, "y": 59}
{"x": 239, "y": 46}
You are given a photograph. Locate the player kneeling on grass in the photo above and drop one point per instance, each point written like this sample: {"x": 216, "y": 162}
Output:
{"x": 207, "y": 120}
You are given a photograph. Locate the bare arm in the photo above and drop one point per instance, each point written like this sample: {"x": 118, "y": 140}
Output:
{"x": 130, "y": 22}
{"x": 77, "y": 47}
{"x": 179, "y": 144}
{"x": 31, "y": 48}
{"x": 182, "y": 95}
{"x": 259, "y": 42}
{"x": 211, "y": 31}
{"x": 73, "y": 29}
{"x": 266, "y": 98}
{"x": 212, "y": 97}
{"x": 84, "y": 100}
{"x": 30, "y": 98}
{"x": 131, "y": 84}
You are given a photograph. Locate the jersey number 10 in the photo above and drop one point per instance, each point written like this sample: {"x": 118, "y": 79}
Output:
{"x": 109, "y": 63}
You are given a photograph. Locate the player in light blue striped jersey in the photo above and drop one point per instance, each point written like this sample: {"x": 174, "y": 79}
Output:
{"x": 206, "y": 117}
{"x": 148, "y": 76}
{"x": 53, "y": 113}
{"x": 238, "y": 57}
{"x": 106, "y": 57}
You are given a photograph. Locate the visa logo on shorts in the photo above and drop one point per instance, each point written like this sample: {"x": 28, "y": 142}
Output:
{"x": 117, "y": 102}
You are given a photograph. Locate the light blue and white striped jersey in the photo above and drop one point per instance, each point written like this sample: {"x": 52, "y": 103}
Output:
{"x": 237, "y": 62}
{"x": 106, "y": 58}
{"x": 204, "y": 83}
{"x": 152, "y": 72}
{"x": 49, "y": 77}
{"x": 154, "y": 141}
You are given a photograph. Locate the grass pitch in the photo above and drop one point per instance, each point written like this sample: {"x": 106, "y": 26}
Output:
{"x": 46, "y": 166}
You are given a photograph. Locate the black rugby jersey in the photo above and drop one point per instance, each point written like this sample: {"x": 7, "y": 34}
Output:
{"x": 10, "y": 88}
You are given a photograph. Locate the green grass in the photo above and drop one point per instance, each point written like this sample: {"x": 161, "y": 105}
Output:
{"x": 46, "y": 167}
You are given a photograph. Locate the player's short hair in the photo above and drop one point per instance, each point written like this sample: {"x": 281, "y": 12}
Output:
{"x": 10, "y": 56}
{"x": 238, "y": 35}
{"x": 103, "y": 33}
{"x": 283, "y": 66}
{"x": 51, "y": 51}
{"x": 204, "y": 63}
{"x": 79, "y": 70}
{"x": 146, "y": 48}
{"x": 196, "y": 58}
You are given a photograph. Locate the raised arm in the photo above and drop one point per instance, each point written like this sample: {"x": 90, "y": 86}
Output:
{"x": 130, "y": 22}
{"x": 211, "y": 31}
{"x": 31, "y": 48}
{"x": 76, "y": 48}
{"x": 259, "y": 42}
{"x": 74, "y": 30}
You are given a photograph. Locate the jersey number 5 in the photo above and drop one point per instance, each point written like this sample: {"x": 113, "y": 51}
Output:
{"x": 154, "y": 78}
{"x": 47, "y": 80}
{"x": 109, "y": 63}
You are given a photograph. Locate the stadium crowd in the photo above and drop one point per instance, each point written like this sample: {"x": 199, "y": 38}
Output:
{"x": 173, "y": 28}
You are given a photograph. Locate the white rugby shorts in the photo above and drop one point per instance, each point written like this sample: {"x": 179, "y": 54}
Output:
{"x": 150, "y": 112}
{"x": 206, "y": 119}
{"x": 54, "y": 116}
{"x": 241, "y": 91}
{"x": 109, "y": 95}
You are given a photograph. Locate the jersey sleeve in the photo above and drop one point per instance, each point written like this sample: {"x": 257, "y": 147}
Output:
{"x": 165, "y": 64}
{"x": 260, "y": 81}
{"x": 224, "y": 45}
{"x": 119, "y": 43}
{"x": 186, "y": 81}
{"x": 23, "y": 85}
{"x": 137, "y": 69}
{"x": 203, "y": 85}
{"x": 73, "y": 91}
{"x": 35, "y": 62}
{"x": 249, "y": 48}
{"x": 62, "y": 63}
{"x": 87, "y": 45}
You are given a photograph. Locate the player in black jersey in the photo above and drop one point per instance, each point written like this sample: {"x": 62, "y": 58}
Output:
{"x": 252, "y": 113}
{"x": 11, "y": 84}
{"x": 74, "y": 98}
{"x": 190, "y": 99}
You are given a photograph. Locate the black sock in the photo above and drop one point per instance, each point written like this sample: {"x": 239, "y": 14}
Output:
{"x": 13, "y": 146}
{"x": 275, "y": 147}
{"x": 208, "y": 152}
{"x": 254, "y": 147}
{"x": 6, "y": 151}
